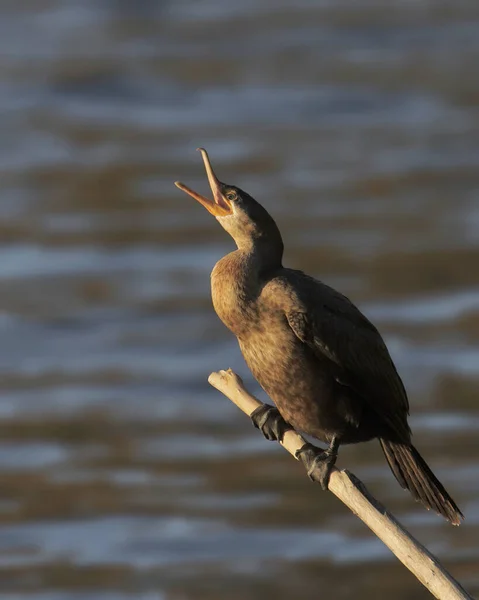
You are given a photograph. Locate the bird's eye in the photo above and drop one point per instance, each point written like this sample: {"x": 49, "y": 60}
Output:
{"x": 231, "y": 196}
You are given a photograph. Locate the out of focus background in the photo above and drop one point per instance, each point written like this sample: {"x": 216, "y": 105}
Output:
{"x": 123, "y": 474}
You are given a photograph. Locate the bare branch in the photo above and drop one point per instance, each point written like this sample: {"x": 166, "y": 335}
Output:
{"x": 352, "y": 492}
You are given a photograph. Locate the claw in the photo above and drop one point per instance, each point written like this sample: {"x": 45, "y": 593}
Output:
{"x": 268, "y": 420}
{"x": 318, "y": 463}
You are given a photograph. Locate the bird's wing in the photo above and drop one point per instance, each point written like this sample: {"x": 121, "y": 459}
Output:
{"x": 329, "y": 324}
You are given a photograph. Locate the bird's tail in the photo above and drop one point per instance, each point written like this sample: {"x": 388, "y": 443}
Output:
{"x": 413, "y": 474}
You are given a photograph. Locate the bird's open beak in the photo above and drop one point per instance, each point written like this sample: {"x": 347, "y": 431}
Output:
{"x": 219, "y": 206}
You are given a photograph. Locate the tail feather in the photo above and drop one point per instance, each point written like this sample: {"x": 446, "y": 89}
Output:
{"x": 413, "y": 474}
{"x": 422, "y": 487}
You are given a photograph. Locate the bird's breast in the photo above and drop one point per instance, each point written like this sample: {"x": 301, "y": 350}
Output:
{"x": 234, "y": 296}
{"x": 271, "y": 349}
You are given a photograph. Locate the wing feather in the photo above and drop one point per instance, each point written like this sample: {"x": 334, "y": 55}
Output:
{"x": 332, "y": 327}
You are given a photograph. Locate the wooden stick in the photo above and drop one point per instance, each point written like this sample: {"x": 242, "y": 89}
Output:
{"x": 350, "y": 490}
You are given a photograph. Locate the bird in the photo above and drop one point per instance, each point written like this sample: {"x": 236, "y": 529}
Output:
{"x": 317, "y": 356}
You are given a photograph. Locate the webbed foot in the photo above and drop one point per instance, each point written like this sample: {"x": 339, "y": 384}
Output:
{"x": 267, "y": 419}
{"x": 318, "y": 462}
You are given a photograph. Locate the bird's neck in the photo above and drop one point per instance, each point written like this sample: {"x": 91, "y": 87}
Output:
{"x": 237, "y": 281}
{"x": 261, "y": 253}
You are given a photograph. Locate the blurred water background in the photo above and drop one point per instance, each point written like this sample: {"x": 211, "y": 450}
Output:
{"x": 123, "y": 474}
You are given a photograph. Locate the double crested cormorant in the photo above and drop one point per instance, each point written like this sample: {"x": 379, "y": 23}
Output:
{"x": 321, "y": 361}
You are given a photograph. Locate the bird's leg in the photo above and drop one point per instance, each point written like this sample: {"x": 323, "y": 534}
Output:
{"x": 268, "y": 420}
{"x": 318, "y": 462}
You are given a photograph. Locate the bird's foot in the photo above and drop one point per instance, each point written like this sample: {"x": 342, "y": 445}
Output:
{"x": 318, "y": 463}
{"x": 268, "y": 420}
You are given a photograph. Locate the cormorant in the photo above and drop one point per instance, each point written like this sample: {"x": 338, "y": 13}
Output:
{"x": 321, "y": 361}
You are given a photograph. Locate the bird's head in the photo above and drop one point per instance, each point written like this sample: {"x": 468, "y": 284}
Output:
{"x": 237, "y": 212}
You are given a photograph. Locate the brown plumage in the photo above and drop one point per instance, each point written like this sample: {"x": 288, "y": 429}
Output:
{"x": 321, "y": 361}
